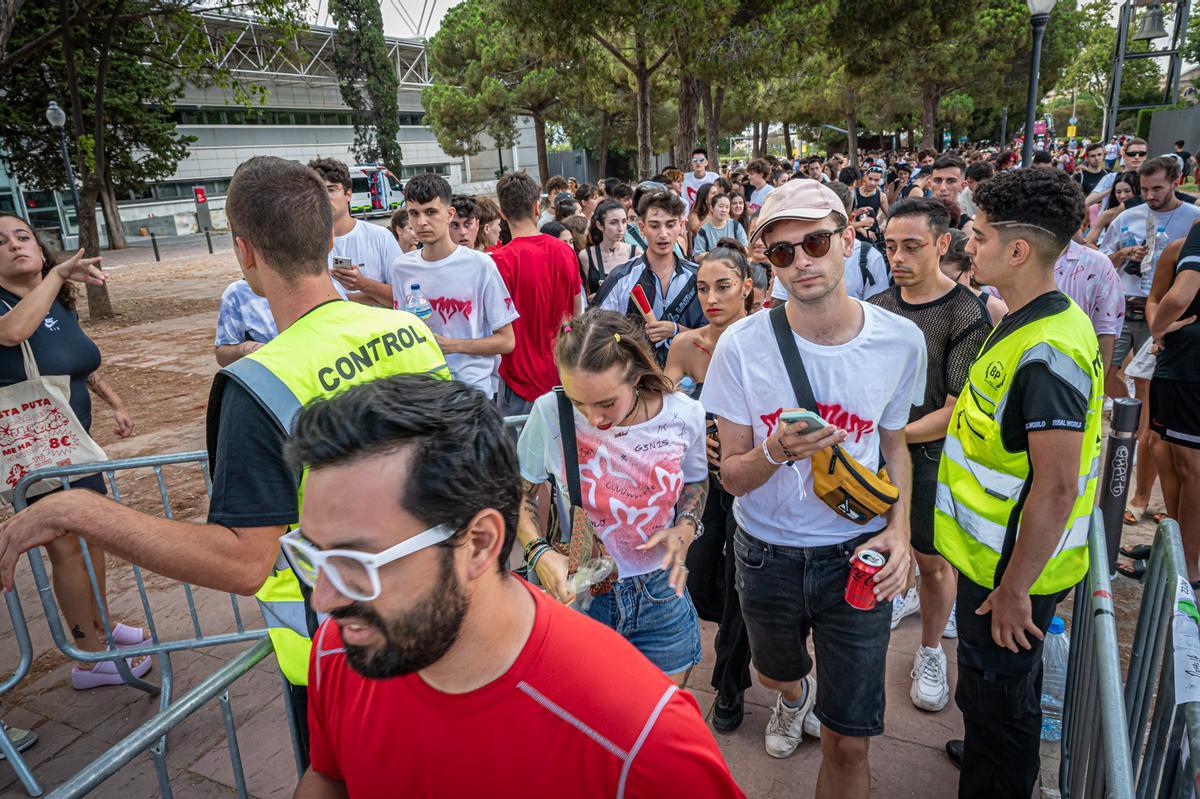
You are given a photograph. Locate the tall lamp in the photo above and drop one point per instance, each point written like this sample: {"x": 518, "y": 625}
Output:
{"x": 58, "y": 119}
{"x": 1039, "y": 14}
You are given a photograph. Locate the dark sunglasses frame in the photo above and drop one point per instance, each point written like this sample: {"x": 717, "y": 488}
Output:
{"x": 815, "y": 245}
{"x": 1139, "y": 154}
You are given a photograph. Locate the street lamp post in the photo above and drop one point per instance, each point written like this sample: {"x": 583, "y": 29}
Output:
{"x": 58, "y": 119}
{"x": 1039, "y": 13}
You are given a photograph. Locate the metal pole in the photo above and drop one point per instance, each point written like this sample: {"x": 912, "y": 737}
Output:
{"x": 208, "y": 238}
{"x": 1038, "y": 21}
{"x": 66, "y": 164}
{"x": 1003, "y": 125}
{"x": 1114, "y": 95}
{"x": 154, "y": 244}
{"x": 1118, "y": 470}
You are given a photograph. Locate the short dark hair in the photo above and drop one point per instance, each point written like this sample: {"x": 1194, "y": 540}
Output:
{"x": 951, "y": 162}
{"x": 1180, "y": 143}
{"x": 1096, "y": 145}
{"x": 620, "y": 191}
{"x": 586, "y": 191}
{"x": 462, "y": 459}
{"x": 980, "y": 171}
{"x": 1041, "y": 199}
{"x": 331, "y": 170}
{"x": 464, "y": 206}
{"x": 1042, "y": 157}
{"x": 937, "y": 216}
{"x": 427, "y": 187}
{"x": 555, "y": 184}
{"x": 518, "y": 195}
{"x": 399, "y": 219}
{"x": 1163, "y": 163}
{"x": 700, "y": 151}
{"x": 928, "y": 152}
{"x": 760, "y": 166}
{"x": 849, "y": 175}
{"x": 283, "y": 210}
{"x": 664, "y": 200}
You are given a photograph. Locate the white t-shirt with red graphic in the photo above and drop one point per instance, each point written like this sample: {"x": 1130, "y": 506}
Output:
{"x": 867, "y": 383}
{"x": 631, "y": 477}
{"x": 469, "y": 301}
{"x": 691, "y": 185}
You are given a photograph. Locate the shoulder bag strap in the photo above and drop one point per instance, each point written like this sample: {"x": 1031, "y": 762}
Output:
{"x": 791, "y": 358}
{"x": 566, "y": 425}
{"x": 868, "y": 278}
{"x": 31, "y": 368}
{"x": 674, "y": 312}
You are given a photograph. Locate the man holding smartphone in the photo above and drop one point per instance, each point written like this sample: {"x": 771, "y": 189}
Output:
{"x": 866, "y": 368}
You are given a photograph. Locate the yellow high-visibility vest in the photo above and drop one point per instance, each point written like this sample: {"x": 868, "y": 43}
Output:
{"x": 980, "y": 482}
{"x": 331, "y": 348}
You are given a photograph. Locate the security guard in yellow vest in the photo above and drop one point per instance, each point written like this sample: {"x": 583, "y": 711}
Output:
{"x": 280, "y": 217}
{"x": 1017, "y": 479}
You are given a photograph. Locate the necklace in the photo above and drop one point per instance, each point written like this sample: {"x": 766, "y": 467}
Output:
{"x": 637, "y": 400}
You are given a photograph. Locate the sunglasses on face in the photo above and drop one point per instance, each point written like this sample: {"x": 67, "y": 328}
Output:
{"x": 782, "y": 254}
{"x": 1136, "y": 153}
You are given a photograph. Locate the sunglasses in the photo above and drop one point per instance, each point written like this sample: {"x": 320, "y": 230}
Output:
{"x": 1136, "y": 153}
{"x": 354, "y": 574}
{"x": 815, "y": 245}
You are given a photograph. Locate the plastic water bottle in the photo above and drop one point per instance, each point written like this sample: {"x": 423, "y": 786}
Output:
{"x": 1128, "y": 237}
{"x": 416, "y": 304}
{"x": 1055, "y": 656}
{"x": 1160, "y": 242}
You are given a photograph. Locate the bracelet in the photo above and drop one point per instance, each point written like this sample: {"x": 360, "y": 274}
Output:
{"x": 676, "y": 333}
{"x": 767, "y": 455}
{"x": 533, "y": 544}
{"x": 537, "y": 555}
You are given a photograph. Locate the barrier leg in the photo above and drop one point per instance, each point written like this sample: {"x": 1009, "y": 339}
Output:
{"x": 235, "y": 752}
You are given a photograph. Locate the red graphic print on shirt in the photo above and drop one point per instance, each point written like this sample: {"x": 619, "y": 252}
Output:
{"x": 631, "y": 495}
{"x": 447, "y": 307}
{"x": 855, "y": 426}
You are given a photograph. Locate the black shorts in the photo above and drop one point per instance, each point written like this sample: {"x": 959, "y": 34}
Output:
{"x": 788, "y": 592}
{"x": 1175, "y": 411}
{"x": 925, "y": 459}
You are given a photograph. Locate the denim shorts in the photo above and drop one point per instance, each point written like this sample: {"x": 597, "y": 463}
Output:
{"x": 660, "y": 625}
{"x": 787, "y": 592}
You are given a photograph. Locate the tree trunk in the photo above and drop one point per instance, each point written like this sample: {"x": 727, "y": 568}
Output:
{"x": 99, "y": 304}
{"x": 787, "y": 140}
{"x": 929, "y": 120}
{"x": 710, "y": 125}
{"x": 689, "y": 111}
{"x": 712, "y": 121}
{"x": 852, "y": 139}
{"x": 112, "y": 217}
{"x": 539, "y": 135}
{"x": 766, "y": 133}
{"x": 605, "y": 136}
{"x": 642, "y": 77}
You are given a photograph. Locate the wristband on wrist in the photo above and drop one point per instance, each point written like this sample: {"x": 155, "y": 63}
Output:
{"x": 676, "y": 333}
{"x": 533, "y": 544}
{"x": 767, "y": 455}
{"x": 537, "y": 553}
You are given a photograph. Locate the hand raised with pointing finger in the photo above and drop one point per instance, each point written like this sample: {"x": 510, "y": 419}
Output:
{"x": 81, "y": 270}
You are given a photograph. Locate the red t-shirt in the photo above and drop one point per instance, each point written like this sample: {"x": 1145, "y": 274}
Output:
{"x": 542, "y": 275}
{"x": 580, "y": 713}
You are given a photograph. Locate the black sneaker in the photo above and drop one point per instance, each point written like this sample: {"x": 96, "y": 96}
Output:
{"x": 955, "y": 750}
{"x": 729, "y": 712}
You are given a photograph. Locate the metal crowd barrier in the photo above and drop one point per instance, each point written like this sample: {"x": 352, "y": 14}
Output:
{"x": 153, "y": 734}
{"x": 1157, "y": 726}
{"x": 1095, "y": 748}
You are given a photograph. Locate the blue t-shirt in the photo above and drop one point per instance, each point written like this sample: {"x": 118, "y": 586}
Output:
{"x": 244, "y": 316}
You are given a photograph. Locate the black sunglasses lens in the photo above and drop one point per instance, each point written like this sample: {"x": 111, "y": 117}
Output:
{"x": 781, "y": 255}
{"x": 815, "y": 245}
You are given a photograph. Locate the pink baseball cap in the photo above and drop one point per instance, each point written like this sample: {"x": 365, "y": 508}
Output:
{"x": 802, "y": 198}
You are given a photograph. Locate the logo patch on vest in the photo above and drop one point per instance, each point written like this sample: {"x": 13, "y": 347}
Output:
{"x": 994, "y": 374}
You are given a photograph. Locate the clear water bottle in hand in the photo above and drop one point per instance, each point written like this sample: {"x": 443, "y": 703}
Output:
{"x": 416, "y": 304}
{"x": 1056, "y": 651}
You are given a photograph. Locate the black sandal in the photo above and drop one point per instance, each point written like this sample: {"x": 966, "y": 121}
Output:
{"x": 1136, "y": 552}
{"x": 1136, "y": 571}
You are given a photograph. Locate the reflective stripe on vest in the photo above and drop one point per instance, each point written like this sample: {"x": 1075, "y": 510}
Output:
{"x": 980, "y": 481}
{"x": 272, "y": 393}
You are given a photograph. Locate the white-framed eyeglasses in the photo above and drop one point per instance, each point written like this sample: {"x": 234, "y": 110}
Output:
{"x": 354, "y": 574}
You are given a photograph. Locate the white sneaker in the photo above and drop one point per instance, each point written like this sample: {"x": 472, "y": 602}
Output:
{"x": 812, "y": 726}
{"x": 930, "y": 686}
{"x": 905, "y": 605}
{"x": 785, "y": 729}
{"x": 951, "y": 630}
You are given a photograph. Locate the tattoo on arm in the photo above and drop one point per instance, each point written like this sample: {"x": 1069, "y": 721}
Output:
{"x": 693, "y": 498}
{"x": 530, "y": 504}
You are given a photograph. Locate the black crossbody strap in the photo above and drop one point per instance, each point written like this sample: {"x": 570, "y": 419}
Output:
{"x": 566, "y": 425}
{"x": 868, "y": 278}
{"x": 791, "y": 358}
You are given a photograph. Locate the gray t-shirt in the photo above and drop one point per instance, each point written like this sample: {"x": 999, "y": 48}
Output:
{"x": 1176, "y": 222}
{"x": 708, "y": 236}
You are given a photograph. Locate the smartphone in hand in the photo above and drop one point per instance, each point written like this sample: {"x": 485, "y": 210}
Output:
{"x": 809, "y": 422}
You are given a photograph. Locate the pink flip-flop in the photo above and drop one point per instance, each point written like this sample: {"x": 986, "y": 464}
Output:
{"x": 105, "y": 673}
{"x": 124, "y": 635}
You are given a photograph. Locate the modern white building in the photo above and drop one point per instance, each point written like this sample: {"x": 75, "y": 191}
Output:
{"x": 303, "y": 117}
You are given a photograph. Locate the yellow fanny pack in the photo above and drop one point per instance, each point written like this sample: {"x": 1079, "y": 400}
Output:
{"x": 850, "y": 489}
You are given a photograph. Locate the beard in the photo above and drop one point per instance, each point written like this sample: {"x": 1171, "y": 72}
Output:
{"x": 416, "y": 640}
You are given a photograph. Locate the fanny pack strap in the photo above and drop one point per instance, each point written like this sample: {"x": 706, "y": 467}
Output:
{"x": 791, "y": 358}
{"x": 566, "y": 425}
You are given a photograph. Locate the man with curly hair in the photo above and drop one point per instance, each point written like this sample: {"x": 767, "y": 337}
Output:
{"x": 1017, "y": 478}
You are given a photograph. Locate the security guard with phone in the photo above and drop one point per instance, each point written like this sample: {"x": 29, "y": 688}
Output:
{"x": 1017, "y": 479}
{"x": 282, "y": 230}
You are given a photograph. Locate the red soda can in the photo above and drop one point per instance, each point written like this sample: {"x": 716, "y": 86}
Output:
{"x": 860, "y": 588}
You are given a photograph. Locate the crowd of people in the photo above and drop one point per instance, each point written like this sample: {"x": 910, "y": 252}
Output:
{"x": 738, "y": 388}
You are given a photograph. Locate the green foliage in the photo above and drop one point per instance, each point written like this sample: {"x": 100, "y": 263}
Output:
{"x": 1143, "y": 121}
{"x": 367, "y": 79}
